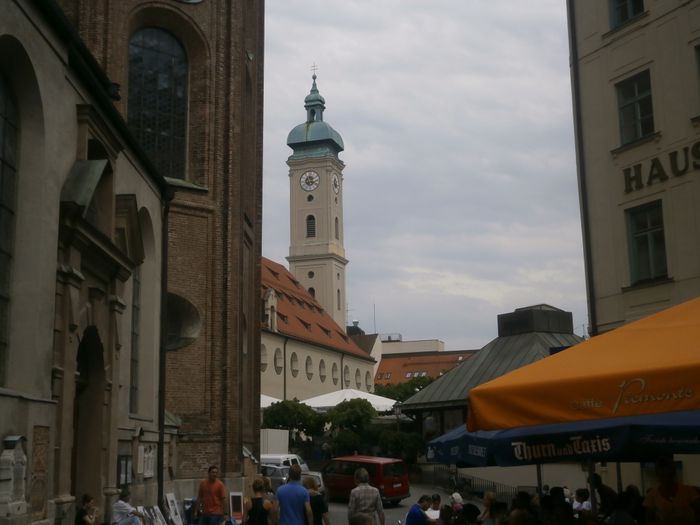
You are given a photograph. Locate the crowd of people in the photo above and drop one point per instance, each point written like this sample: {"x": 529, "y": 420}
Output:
{"x": 297, "y": 503}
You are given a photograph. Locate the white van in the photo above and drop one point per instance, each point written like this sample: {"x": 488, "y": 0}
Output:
{"x": 284, "y": 460}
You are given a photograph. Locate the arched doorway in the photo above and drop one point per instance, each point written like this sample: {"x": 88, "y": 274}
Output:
{"x": 88, "y": 412}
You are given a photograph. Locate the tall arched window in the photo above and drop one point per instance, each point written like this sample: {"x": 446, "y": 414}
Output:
{"x": 9, "y": 126}
{"x": 310, "y": 226}
{"x": 157, "y": 110}
{"x": 312, "y": 292}
{"x": 338, "y": 299}
{"x": 337, "y": 228}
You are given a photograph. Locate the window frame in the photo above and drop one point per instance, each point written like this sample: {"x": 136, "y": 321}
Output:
{"x": 310, "y": 226}
{"x": 635, "y": 103}
{"x": 652, "y": 244}
{"x": 633, "y": 11}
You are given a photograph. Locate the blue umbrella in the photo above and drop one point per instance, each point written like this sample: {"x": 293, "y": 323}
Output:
{"x": 632, "y": 438}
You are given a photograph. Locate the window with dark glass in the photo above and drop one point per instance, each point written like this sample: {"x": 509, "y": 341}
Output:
{"x": 635, "y": 107}
{"x": 647, "y": 244}
{"x": 135, "y": 331}
{"x": 157, "y": 110}
{"x": 310, "y": 226}
{"x": 623, "y": 10}
{"x": 9, "y": 126}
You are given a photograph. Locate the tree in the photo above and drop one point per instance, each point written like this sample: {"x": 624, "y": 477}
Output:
{"x": 353, "y": 414}
{"x": 404, "y": 445}
{"x": 292, "y": 415}
{"x": 402, "y": 391}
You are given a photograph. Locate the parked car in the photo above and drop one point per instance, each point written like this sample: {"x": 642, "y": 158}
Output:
{"x": 277, "y": 474}
{"x": 284, "y": 460}
{"x": 389, "y": 475}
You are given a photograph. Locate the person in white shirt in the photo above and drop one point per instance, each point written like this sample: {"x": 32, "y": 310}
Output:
{"x": 434, "y": 510}
{"x": 582, "y": 502}
{"x": 123, "y": 513}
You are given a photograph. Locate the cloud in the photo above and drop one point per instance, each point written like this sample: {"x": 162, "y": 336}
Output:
{"x": 460, "y": 194}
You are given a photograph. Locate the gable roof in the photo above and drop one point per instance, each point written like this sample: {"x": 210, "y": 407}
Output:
{"x": 498, "y": 357}
{"x": 418, "y": 364}
{"x": 300, "y": 316}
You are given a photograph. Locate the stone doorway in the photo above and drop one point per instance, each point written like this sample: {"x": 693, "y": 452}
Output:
{"x": 88, "y": 414}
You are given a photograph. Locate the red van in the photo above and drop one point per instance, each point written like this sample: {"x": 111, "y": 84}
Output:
{"x": 389, "y": 475}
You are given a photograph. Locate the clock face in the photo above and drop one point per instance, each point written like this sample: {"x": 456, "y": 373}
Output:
{"x": 309, "y": 181}
{"x": 336, "y": 183}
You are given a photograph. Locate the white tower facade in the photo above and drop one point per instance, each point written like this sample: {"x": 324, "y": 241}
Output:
{"x": 316, "y": 252}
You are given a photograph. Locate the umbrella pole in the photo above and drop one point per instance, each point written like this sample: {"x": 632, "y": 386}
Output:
{"x": 594, "y": 499}
{"x": 539, "y": 479}
{"x": 618, "y": 471}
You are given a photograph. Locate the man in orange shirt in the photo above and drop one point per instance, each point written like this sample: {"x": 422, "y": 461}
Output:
{"x": 211, "y": 498}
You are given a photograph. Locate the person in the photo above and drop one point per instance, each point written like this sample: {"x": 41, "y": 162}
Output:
{"x": 365, "y": 499}
{"x": 258, "y": 507}
{"x": 294, "y": 501}
{"x": 360, "y": 519}
{"x": 581, "y": 502}
{"x": 671, "y": 502}
{"x": 606, "y": 495}
{"x": 416, "y": 514}
{"x": 499, "y": 510}
{"x": 86, "y": 514}
{"x": 457, "y": 502}
{"x": 211, "y": 498}
{"x": 272, "y": 498}
{"x": 434, "y": 510}
{"x": 446, "y": 515}
{"x": 319, "y": 507}
{"x": 488, "y": 499}
{"x": 123, "y": 513}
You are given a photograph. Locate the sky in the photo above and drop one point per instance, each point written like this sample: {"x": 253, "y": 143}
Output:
{"x": 460, "y": 195}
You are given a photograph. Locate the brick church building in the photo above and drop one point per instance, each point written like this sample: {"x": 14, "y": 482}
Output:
{"x": 131, "y": 193}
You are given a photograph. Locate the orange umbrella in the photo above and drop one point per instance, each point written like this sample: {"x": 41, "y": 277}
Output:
{"x": 645, "y": 367}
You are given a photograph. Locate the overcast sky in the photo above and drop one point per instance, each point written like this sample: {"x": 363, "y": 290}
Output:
{"x": 460, "y": 182}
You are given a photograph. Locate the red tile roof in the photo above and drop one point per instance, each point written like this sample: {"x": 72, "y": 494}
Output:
{"x": 300, "y": 316}
{"x": 393, "y": 368}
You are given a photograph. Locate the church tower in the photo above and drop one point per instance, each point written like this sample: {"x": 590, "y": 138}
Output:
{"x": 316, "y": 251}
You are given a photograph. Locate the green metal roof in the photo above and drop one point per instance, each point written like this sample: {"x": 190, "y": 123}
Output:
{"x": 314, "y": 138}
{"x": 497, "y": 358}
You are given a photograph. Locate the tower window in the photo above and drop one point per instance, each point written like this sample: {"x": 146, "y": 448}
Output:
{"x": 310, "y": 198}
{"x": 310, "y": 226}
{"x": 337, "y": 228}
{"x": 338, "y": 297}
{"x": 635, "y": 107}
{"x": 312, "y": 292}
{"x": 311, "y": 274}
{"x": 9, "y": 126}
{"x": 157, "y": 106}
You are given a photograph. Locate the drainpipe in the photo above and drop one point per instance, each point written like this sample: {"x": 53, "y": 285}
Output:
{"x": 581, "y": 163}
{"x": 163, "y": 335}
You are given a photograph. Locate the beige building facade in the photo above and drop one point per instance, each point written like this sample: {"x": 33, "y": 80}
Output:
{"x": 82, "y": 217}
{"x": 636, "y": 93}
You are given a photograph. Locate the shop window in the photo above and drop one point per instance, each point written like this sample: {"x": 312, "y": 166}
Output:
{"x": 157, "y": 105}
{"x": 647, "y": 246}
{"x": 635, "y": 107}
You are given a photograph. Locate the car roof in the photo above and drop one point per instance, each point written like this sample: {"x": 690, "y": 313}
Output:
{"x": 368, "y": 459}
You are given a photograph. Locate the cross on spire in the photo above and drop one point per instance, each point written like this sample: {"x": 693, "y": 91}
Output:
{"x": 314, "y": 68}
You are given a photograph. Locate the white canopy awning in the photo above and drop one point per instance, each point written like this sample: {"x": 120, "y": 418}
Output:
{"x": 266, "y": 401}
{"x": 327, "y": 401}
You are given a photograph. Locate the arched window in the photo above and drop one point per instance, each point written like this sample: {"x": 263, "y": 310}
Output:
{"x": 157, "y": 106}
{"x": 337, "y": 229}
{"x": 338, "y": 299}
{"x": 135, "y": 340}
{"x": 312, "y": 292}
{"x": 309, "y": 368}
{"x": 294, "y": 364}
{"x": 310, "y": 226}
{"x": 358, "y": 378}
{"x": 9, "y": 126}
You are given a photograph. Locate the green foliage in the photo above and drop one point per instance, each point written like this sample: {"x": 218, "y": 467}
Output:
{"x": 354, "y": 414}
{"x": 292, "y": 415}
{"x": 404, "y": 445}
{"x": 402, "y": 391}
{"x": 346, "y": 442}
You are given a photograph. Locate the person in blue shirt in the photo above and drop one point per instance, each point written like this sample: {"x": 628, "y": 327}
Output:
{"x": 294, "y": 501}
{"x": 416, "y": 514}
